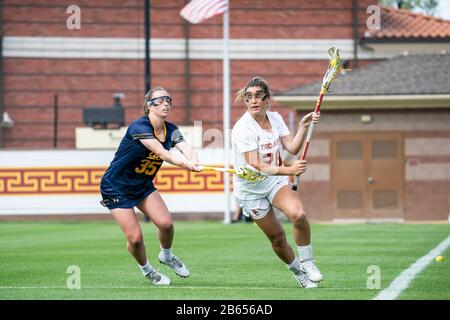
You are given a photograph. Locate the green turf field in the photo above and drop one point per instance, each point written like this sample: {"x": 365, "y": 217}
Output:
{"x": 227, "y": 261}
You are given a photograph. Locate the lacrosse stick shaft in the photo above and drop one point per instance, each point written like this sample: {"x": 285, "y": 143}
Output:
{"x": 308, "y": 138}
{"x": 333, "y": 68}
{"x": 205, "y": 168}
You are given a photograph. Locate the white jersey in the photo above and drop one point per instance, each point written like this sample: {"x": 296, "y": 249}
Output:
{"x": 247, "y": 135}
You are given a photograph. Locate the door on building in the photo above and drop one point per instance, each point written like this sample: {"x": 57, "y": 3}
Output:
{"x": 367, "y": 175}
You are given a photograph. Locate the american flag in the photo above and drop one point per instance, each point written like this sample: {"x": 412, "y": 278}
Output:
{"x": 198, "y": 11}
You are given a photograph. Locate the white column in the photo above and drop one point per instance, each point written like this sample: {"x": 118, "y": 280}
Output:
{"x": 226, "y": 111}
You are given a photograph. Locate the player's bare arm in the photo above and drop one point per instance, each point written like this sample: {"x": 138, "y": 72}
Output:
{"x": 294, "y": 144}
{"x": 187, "y": 151}
{"x": 253, "y": 158}
{"x": 155, "y": 146}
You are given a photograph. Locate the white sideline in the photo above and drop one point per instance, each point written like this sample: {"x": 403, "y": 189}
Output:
{"x": 404, "y": 279}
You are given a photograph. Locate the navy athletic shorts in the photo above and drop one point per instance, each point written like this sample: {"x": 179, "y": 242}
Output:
{"x": 112, "y": 199}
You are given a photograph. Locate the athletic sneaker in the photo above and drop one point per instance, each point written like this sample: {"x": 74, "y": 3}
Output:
{"x": 176, "y": 265}
{"x": 304, "y": 281}
{"x": 311, "y": 270}
{"x": 158, "y": 278}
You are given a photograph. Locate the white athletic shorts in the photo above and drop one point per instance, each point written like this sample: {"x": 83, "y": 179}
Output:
{"x": 259, "y": 208}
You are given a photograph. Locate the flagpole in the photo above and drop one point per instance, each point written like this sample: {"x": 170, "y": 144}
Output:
{"x": 226, "y": 111}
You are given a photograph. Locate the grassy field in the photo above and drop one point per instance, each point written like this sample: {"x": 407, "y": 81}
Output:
{"x": 226, "y": 261}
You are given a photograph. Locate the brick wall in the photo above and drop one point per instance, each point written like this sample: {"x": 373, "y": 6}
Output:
{"x": 249, "y": 19}
{"x": 32, "y": 83}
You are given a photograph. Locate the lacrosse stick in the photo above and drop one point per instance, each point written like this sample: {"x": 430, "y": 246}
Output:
{"x": 333, "y": 68}
{"x": 243, "y": 172}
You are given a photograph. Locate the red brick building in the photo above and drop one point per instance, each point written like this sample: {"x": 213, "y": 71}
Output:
{"x": 283, "y": 41}
{"x": 383, "y": 148}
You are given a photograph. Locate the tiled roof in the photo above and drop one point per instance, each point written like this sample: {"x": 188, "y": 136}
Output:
{"x": 399, "y": 24}
{"x": 402, "y": 75}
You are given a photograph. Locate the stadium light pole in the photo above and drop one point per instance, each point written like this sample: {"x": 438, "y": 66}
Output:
{"x": 187, "y": 77}
{"x": 147, "y": 46}
{"x": 2, "y": 106}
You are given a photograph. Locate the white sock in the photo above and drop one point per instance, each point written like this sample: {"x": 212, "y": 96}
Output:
{"x": 305, "y": 252}
{"x": 147, "y": 268}
{"x": 167, "y": 253}
{"x": 294, "y": 266}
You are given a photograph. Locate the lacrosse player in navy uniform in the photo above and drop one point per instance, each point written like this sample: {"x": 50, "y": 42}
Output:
{"x": 128, "y": 182}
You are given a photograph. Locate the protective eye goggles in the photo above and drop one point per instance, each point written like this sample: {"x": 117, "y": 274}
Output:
{"x": 258, "y": 96}
{"x": 159, "y": 100}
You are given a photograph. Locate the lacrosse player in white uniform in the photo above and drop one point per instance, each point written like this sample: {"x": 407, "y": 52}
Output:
{"x": 258, "y": 138}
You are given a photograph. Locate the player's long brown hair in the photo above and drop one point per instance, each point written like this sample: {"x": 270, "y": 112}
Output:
{"x": 254, "y": 82}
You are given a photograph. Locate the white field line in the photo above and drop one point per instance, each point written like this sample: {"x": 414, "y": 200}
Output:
{"x": 404, "y": 279}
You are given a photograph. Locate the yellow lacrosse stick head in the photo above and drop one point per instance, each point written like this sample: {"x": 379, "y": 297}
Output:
{"x": 333, "y": 67}
{"x": 250, "y": 174}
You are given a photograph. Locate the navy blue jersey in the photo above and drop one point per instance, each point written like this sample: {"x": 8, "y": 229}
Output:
{"x": 134, "y": 167}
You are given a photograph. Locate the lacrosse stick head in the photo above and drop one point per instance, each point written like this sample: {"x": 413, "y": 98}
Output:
{"x": 333, "y": 67}
{"x": 250, "y": 174}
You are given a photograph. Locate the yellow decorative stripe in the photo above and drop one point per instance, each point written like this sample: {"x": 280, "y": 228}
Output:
{"x": 80, "y": 180}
